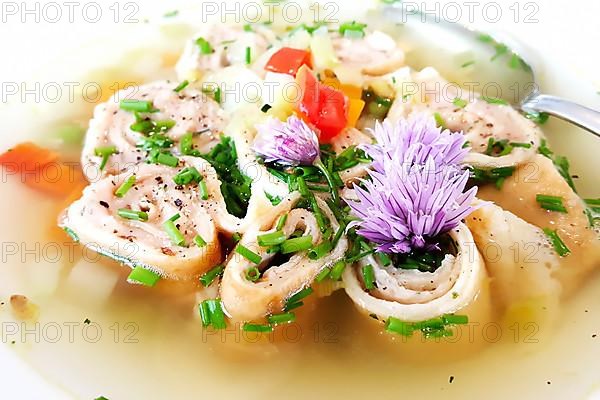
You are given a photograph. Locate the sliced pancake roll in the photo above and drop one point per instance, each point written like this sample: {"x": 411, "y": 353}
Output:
{"x": 157, "y": 217}
{"x": 497, "y": 134}
{"x": 270, "y": 268}
{"x": 409, "y": 292}
{"x": 149, "y": 123}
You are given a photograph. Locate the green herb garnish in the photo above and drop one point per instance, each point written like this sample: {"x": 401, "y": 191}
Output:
{"x": 560, "y": 246}
{"x": 551, "y": 203}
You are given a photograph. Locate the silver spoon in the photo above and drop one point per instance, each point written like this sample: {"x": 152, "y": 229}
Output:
{"x": 429, "y": 36}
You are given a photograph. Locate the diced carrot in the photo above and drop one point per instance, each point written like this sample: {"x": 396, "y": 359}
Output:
{"x": 27, "y": 157}
{"x": 355, "y": 107}
{"x": 40, "y": 169}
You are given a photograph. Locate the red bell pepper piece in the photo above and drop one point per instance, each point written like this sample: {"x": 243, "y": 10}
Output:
{"x": 323, "y": 106}
{"x": 288, "y": 61}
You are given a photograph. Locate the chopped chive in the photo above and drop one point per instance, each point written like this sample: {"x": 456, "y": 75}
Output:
{"x": 248, "y": 55}
{"x": 253, "y": 274}
{"x": 439, "y": 120}
{"x": 302, "y": 188}
{"x": 174, "y": 233}
{"x": 297, "y": 298}
{"x": 275, "y": 200}
{"x": 134, "y": 105}
{"x": 560, "y": 246}
{"x": 187, "y": 175}
{"x": 217, "y": 316}
{"x": 295, "y": 245}
{"x": 281, "y": 222}
{"x": 205, "y": 47}
{"x": 352, "y": 28}
{"x": 105, "y": 153}
{"x": 320, "y": 251}
{"x": 248, "y": 254}
{"x": 143, "y": 276}
{"x": 128, "y": 213}
{"x": 167, "y": 159}
{"x": 71, "y": 234}
{"x": 337, "y": 270}
{"x": 186, "y": 145}
{"x": 210, "y": 276}
{"x": 257, "y": 328}
{"x": 551, "y": 203}
{"x": 181, "y": 86}
{"x": 271, "y": 239}
{"x": 323, "y": 274}
{"x": 394, "y": 325}
{"x": 451, "y": 319}
{"x": 204, "y": 313}
{"x": 594, "y": 204}
{"x": 523, "y": 145}
{"x": 318, "y": 213}
{"x": 467, "y": 64}
{"x": 175, "y": 217}
{"x": 236, "y": 237}
{"x": 368, "y": 277}
{"x": 248, "y": 28}
{"x": 266, "y": 108}
{"x": 494, "y": 100}
{"x": 384, "y": 259}
{"x": 279, "y": 319}
{"x": 538, "y": 118}
{"x": 460, "y": 103}
{"x": 203, "y": 189}
{"x": 200, "y": 242}
{"x": 125, "y": 186}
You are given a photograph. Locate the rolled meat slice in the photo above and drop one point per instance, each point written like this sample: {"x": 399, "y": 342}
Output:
{"x": 247, "y": 300}
{"x": 478, "y": 118}
{"x": 127, "y": 217}
{"x": 519, "y": 195}
{"x": 521, "y": 262}
{"x": 350, "y": 139}
{"x": 375, "y": 53}
{"x": 218, "y": 46}
{"x": 411, "y": 296}
{"x": 173, "y": 116}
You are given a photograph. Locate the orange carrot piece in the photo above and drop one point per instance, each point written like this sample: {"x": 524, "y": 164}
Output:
{"x": 27, "y": 157}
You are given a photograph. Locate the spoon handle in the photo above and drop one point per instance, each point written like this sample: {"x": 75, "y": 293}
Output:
{"x": 577, "y": 114}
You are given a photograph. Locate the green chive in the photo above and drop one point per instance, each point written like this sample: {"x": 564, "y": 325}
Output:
{"x": 128, "y": 213}
{"x": 439, "y": 120}
{"x": 384, "y": 259}
{"x": 248, "y": 28}
{"x": 594, "y": 204}
{"x": 137, "y": 106}
{"x": 460, "y": 103}
{"x": 538, "y": 118}
{"x": 279, "y": 319}
{"x": 257, "y": 328}
{"x": 174, "y": 234}
{"x": 368, "y": 277}
{"x": 523, "y": 145}
{"x": 551, "y": 203}
{"x": 199, "y": 241}
{"x": 236, "y": 237}
{"x": 167, "y": 159}
{"x": 302, "y": 188}
{"x": 467, "y": 64}
{"x": 248, "y": 254}
{"x": 248, "y": 55}
{"x": 143, "y": 276}
{"x": 204, "y": 313}
{"x": 451, "y": 319}
{"x": 105, "y": 153}
{"x": 281, "y": 222}
{"x": 181, "y": 86}
{"x": 295, "y": 245}
{"x": 560, "y": 246}
{"x": 494, "y": 100}
{"x": 320, "y": 251}
{"x": 186, "y": 145}
{"x": 271, "y": 239}
{"x": 351, "y": 27}
{"x": 253, "y": 274}
{"x": 175, "y": 217}
{"x": 187, "y": 175}
{"x": 210, "y": 276}
{"x": 394, "y": 325}
{"x": 203, "y": 189}
{"x": 125, "y": 186}
{"x": 296, "y": 300}
{"x": 217, "y": 316}
{"x": 337, "y": 270}
{"x": 323, "y": 274}
{"x": 205, "y": 47}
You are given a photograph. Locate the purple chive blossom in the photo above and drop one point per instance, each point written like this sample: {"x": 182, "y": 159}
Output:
{"x": 291, "y": 142}
{"x": 417, "y": 190}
